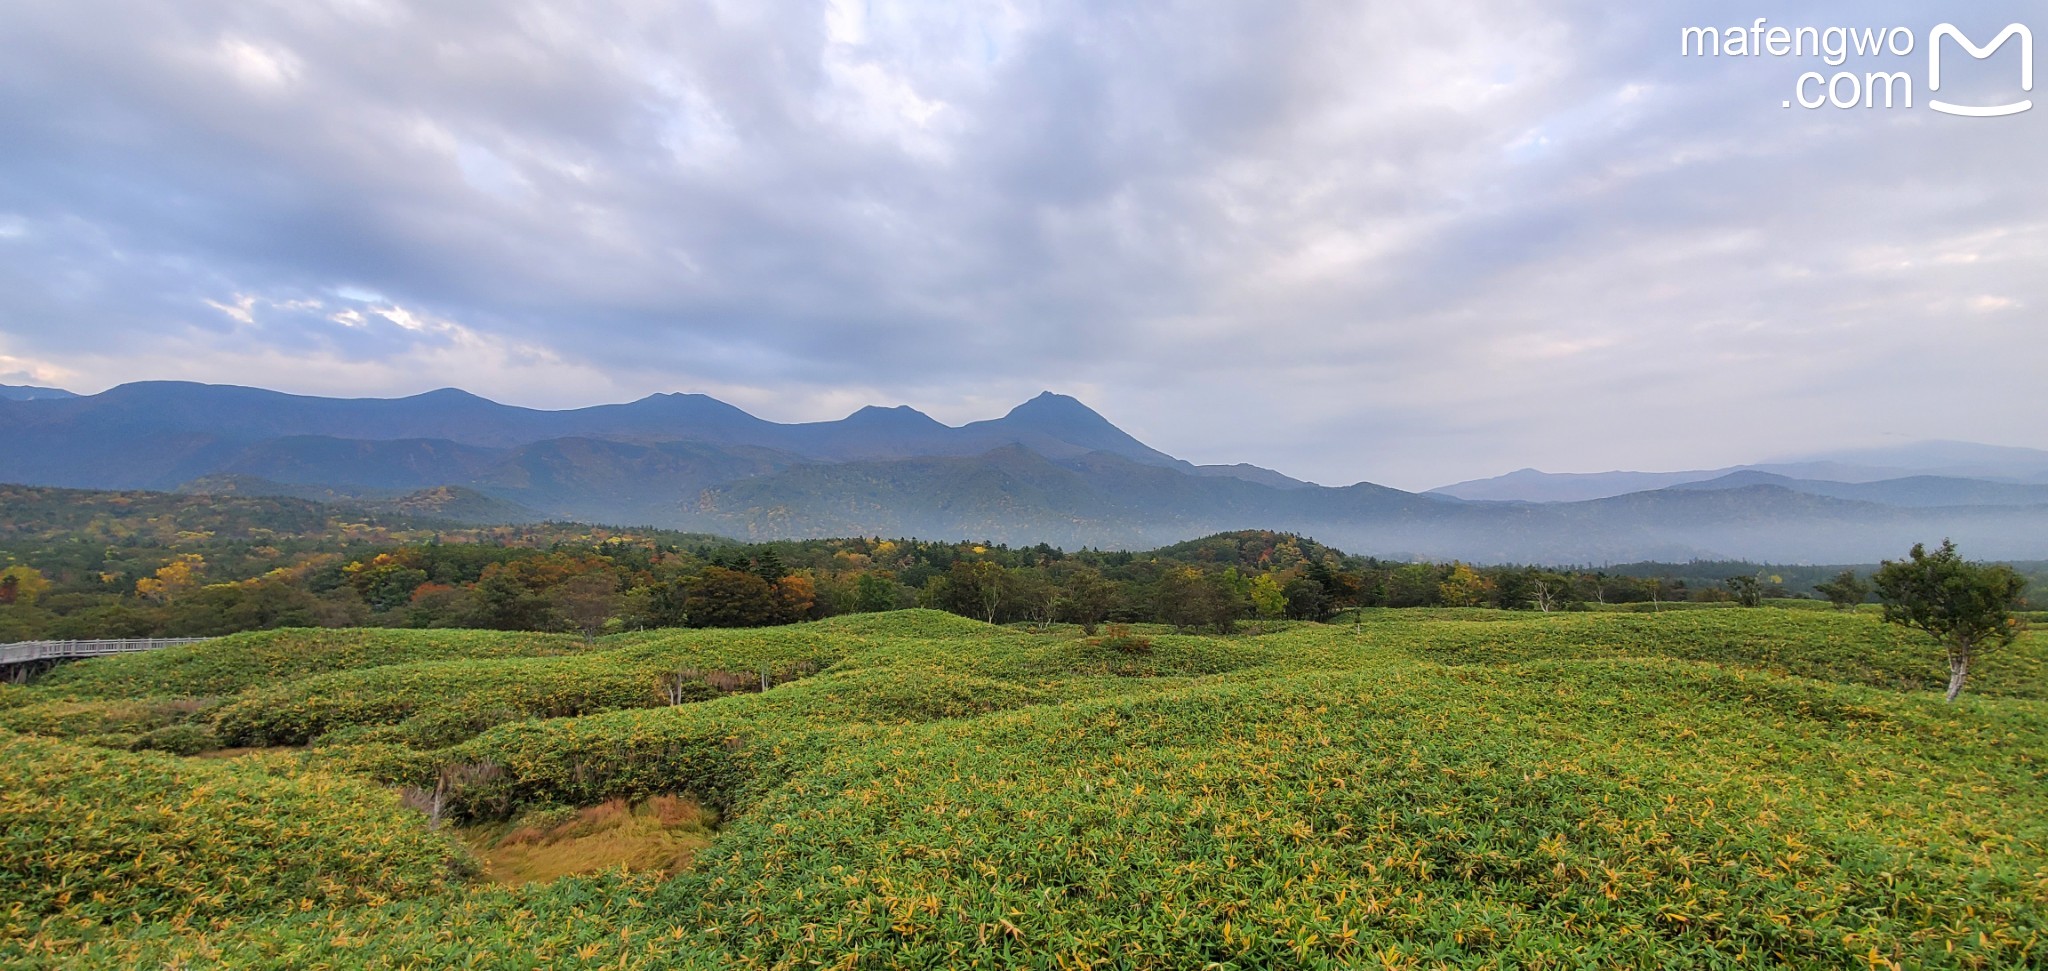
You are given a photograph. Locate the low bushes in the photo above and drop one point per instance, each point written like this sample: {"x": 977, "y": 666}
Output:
{"x": 89, "y": 836}
{"x": 226, "y": 665}
{"x": 1709, "y": 788}
{"x": 78, "y": 719}
{"x": 455, "y": 691}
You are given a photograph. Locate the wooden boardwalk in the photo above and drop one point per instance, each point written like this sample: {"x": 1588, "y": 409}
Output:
{"x": 32, "y": 652}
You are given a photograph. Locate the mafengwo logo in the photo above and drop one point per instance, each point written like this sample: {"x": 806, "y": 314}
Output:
{"x": 1836, "y": 46}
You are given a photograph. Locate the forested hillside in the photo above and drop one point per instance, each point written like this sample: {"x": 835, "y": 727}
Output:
{"x": 90, "y": 564}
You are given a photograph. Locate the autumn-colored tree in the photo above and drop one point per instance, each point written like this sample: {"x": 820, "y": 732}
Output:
{"x": 172, "y": 579}
{"x": 1463, "y": 587}
{"x": 796, "y": 598}
{"x": 587, "y": 601}
{"x": 1267, "y": 597}
{"x": 21, "y": 585}
{"x": 540, "y": 573}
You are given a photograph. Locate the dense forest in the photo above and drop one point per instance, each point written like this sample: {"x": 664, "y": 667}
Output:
{"x": 78, "y": 564}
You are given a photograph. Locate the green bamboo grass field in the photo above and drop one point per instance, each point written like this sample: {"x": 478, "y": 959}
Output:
{"x": 1456, "y": 789}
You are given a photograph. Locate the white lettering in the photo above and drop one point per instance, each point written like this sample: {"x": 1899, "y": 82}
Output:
{"x": 1801, "y": 90}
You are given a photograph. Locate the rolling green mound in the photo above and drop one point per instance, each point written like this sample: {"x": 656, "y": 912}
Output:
{"x": 229, "y": 664}
{"x": 91, "y": 838}
{"x": 1469, "y": 789}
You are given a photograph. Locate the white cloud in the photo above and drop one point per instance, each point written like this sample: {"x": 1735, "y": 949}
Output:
{"x": 242, "y": 310}
{"x": 266, "y": 68}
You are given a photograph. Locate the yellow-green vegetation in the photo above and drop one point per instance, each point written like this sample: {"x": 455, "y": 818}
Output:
{"x": 90, "y": 837}
{"x": 229, "y": 664}
{"x": 441, "y": 702}
{"x": 1459, "y": 788}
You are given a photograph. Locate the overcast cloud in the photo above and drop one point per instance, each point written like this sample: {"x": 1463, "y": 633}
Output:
{"x": 1404, "y": 242}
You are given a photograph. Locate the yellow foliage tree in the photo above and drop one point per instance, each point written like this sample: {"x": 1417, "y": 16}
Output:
{"x": 1268, "y": 598}
{"x": 1463, "y": 587}
{"x": 21, "y": 585}
{"x": 172, "y": 579}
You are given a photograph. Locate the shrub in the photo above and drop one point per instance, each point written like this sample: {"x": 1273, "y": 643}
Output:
{"x": 94, "y": 836}
{"x": 187, "y": 739}
{"x": 1118, "y": 638}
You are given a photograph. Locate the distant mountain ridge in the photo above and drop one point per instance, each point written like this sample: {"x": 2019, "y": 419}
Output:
{"x": 1050, "y": 470}
{"x": 1940, "y": 459}
{"x": 1913, "y": 491}
{"x": 1052, "y": 424}
{"x": 25, "y": 392}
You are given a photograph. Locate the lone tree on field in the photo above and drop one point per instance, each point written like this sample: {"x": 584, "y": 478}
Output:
{"x": 1845, "y": 591}
{"x": 1966, "y": 606}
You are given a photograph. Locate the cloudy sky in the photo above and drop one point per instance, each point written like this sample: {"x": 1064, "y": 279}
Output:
{"x": 1406, "y": 242}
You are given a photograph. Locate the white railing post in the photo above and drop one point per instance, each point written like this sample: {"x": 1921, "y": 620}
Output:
{"x": 28, "y": 651}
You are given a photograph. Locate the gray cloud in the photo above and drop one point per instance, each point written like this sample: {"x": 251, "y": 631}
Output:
{"x": 1400, "y": 242}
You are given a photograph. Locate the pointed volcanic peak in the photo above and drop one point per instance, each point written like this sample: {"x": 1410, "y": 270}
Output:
{"x": 1058, "y": 426}
{"x": 901, "y": 417}
{"x": 873, "y": 432}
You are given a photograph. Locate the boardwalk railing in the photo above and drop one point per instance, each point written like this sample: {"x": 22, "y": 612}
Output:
{"x": 27, "y": 652}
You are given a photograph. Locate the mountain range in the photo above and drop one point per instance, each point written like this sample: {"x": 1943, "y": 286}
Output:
{"x": 23, "y": 392}
{"x": 1052, "y": 470}
{"x": 1920, "y": 460}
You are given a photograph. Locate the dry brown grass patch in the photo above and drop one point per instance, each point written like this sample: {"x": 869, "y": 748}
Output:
{"x": 656, "y": 835}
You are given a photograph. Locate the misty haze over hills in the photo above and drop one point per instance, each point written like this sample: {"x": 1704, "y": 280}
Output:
{"x": 1946, "y": 460}
{"x": 1051, "y": 470}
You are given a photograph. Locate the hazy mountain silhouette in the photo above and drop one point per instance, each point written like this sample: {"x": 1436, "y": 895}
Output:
{"x": 1939, "y": 459}
{"x": 1051, "y": 470}
{"x": 24, "y": 392}
{"x": 1919, "y": 491}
